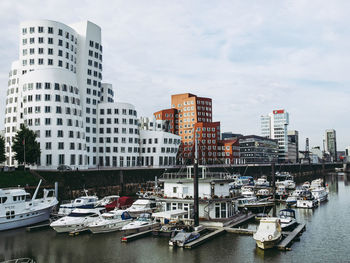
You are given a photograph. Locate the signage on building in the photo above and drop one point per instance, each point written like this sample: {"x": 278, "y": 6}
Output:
{"x": 278, "y": 111}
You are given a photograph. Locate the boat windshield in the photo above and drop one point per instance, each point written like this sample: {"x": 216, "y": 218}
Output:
{"x": 74, "y": 214}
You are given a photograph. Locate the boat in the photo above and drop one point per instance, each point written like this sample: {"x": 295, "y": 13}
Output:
{"x": 288, "y": 184}
{"x": 77, "y": 221}
{"x": 316, "y": 183}
{"x": 262, "y": 182}
{"x": 180, "y": 239}
{"x": 108, "y": 200}
{"x": 306, "y": 185}
{"x": 320, "y": 194}
{"x": 123, "y": 202}
{"x": 247, "y": 191}
{"x": 288, "y": 221}
{"x": 281, "y": 191}
{"x": 111, "y": 221}
{"x": 307, "y": 203}
{"x": 141, "y": 206}
{"x": 143, "y": 223}
{"x": 255, "y": 206}
{"x": 83, "y": 202}
{"x": 296, "y": 195}
{"x": 170, "y": 220}
{"x": 264, "y": 193}
{"x": 269, "y": 233}
{"x": 17, "y": 209}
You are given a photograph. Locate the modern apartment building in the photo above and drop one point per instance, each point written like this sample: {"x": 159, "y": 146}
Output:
{"x": 331, "y": 144}
{"x": 275, "y": 126}
{"x": 257, "y": 149}
{"x": 55, "y": 89}
{"x": 193, "y": 115}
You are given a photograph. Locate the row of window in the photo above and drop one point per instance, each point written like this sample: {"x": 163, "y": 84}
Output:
{"x": 59, "y": 122}
{"x": 47, "y": 97}
{"x": 163, "y": 150}
{"x": 47, "y": 109}
{"x": 50, "y": 62}
{"x": 50, "y": 41}
{"x": 50, "y": 51}
{"x": 116, "y": 121}
{"x": 165, "y": 141}
{"x": 49, "y": 30}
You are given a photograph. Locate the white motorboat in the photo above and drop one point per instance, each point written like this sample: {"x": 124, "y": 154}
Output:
{"x": 320, "y": 194}
{"x": 143, "y": 223}
{"x": 141, "y": 206}
{"x": 316, "y": 183}
{"x": 288, "y": 221}
{"x": 288, "y": 184}
{"x": 306, "y": 185}
{"x": 298, "y": 194}
{"x": 107, "y": 200}
{"x": 262, "y": 182}
{"x": 83, "y": 202}
{"x": 307, "y": 203}
{"x": 17, "y": 209}
{"x": 281, "y": 190}
{"x": 264, "y": 193}
{"x": 247, "y": 191}
{"x": 78, "y": 220}
{"x": 269, "y": 233}
{"x": 111, "y": 221}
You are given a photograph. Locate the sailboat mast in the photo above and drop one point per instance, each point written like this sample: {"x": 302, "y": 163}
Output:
{"x": 195, "y": 183}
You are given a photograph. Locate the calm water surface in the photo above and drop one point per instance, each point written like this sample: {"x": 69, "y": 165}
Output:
{"x": 327, "y": 239}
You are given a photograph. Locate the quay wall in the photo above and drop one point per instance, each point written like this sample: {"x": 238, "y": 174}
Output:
{"x": 128, "y": 181}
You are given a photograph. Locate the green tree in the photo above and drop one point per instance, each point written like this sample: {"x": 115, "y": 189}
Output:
{"x": 2, "y": 149}
{"x": 25, "y": 146}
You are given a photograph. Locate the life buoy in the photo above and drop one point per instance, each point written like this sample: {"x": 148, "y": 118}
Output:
{"x": 270, "y": 237}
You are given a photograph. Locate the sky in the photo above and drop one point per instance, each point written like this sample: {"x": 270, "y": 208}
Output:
{"x": 250, "y": 57}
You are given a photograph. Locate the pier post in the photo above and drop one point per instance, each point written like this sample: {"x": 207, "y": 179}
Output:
{"x": 273, "y": 188}
{"x": 195, "y": 185}
{"x": 122, "y": 190}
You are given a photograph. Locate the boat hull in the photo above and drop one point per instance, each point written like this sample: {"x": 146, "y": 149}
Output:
{"x": 26, "y": 219}
{"x": 267, "y": 244}
{"x": 109, "y": 227}
{"x": 309, "y": 204}
{"x": 143, "y": 228}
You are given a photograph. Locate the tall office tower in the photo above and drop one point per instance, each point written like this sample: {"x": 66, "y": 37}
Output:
{"x": 275, "y": 126}
{"x": 53, "y": 88}
{"x": 331, "y": 144}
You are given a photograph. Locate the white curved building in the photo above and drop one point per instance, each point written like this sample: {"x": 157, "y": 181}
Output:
{"x": 55, "y": 89}
{"x": 57, "y": 83}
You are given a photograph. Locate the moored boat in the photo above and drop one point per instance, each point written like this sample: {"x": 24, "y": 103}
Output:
{"x": 78, "y": 220}
{"x": 83, "y": 202}
{"x": 180, "y": 239}
{"x": 141, "y": 206}
{"x": 269, "y": 233}
{"x": 320, "y": 194}
{"x": 111, "y": 221}
{"x": 17, "y": 209}
{"x": 288, "y": 221}
{"x": 143, "y": 223}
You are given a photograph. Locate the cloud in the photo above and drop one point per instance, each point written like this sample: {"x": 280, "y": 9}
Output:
{"x": 250, "y": 57}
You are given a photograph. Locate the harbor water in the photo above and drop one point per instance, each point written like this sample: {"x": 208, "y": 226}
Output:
{"x": 326, "y": 239}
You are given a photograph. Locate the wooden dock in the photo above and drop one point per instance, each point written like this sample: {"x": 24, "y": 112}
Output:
{"x": 136, "y": 236}
{"x": 204, "y": 238}
{"x": 242, "y": 231}
{"x": 241, "y": 221}
{"x": 37, "y": 227}
{"x": 284, "y": 244}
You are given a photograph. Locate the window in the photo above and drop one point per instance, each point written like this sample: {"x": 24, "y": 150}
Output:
{"x": 61, "y": 146}
{"x": 50, "y": 30}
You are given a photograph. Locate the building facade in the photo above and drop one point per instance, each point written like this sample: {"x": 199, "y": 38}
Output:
{"x": 56, "y": 89}
{"x": 193, "y": 114}
{"x": 275, "y": 126}
{"x": 256, "y": 149}
{"x": 293, "y": 146}
{"x": 331, "y": 144}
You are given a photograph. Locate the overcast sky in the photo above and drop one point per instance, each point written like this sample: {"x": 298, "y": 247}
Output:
{"x": 250, "y": 57}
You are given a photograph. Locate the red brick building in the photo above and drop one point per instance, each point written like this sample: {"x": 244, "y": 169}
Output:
{"x": 192, "y": 113}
